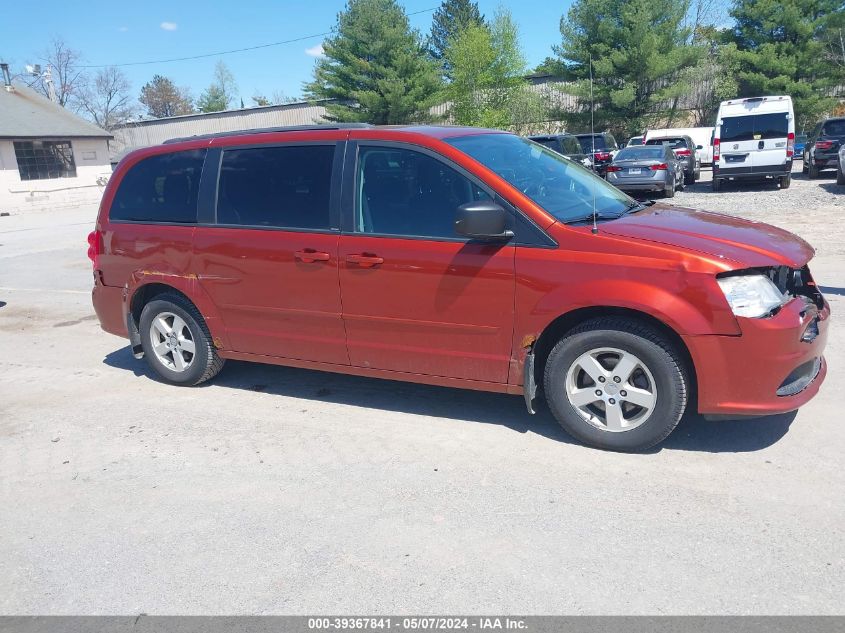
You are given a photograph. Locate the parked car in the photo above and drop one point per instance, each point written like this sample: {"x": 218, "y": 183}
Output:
{"x": 464, "y": 258}
{"x": 567, "y": 145}
{"x": 646, "y": 168}
{"x": 822, "y": 150}
{"x": 800, "y": 144}
{"x": 602, "y": 147}
{"x": 702, "y": 138}
{"x": 754, "y": 140}
{"x": 635, "y": 140}
{"x": 686, "y": 151}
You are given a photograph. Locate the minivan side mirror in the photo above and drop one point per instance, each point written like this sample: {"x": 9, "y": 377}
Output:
{"x": 484, "y": 220}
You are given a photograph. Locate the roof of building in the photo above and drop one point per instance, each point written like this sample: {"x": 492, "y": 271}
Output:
{"x": 26, "y": 114}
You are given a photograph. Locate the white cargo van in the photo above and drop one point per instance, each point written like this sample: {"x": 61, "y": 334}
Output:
{"x": 754, "y": 139}
{"x": 703, "y": 137}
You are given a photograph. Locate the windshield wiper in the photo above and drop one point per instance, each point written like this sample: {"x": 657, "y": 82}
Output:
{"x": 636, "y": 205}
{"x": 599, "y": 215}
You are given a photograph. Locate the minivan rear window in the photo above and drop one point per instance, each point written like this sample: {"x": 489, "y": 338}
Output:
{"x": 284, "y": 187}
{"x": 160, "y": 188}
{"x": 754, "y": 127}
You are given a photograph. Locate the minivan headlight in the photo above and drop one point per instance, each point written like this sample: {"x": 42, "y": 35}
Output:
{"x": 752, "y": 295}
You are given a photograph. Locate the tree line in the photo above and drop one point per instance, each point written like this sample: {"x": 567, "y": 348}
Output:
{"x": 650, "y": 61}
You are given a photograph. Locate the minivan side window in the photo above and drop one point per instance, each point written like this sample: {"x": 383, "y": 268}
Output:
{"x": 160, "y": 188}
{"x": 404, "y": 192}
{"x": 281, "y": 187}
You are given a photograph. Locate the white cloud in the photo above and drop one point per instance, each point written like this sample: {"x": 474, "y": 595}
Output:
{"x": 169, "y": 26}
{"x": 315, "y": 51}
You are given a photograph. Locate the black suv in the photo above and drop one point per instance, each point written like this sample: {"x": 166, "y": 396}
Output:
{"x": 686, "y": 151}
{"x": 565, "y": 144}
{"x": 821, "y": 151}
{"x": 602, "y": 146}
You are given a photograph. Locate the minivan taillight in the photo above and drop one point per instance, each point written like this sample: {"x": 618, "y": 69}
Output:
{"x": 659, "y": 167}
{"x": 682, "y": 152}
{"x": 790, "y": 144}
{"x": 95, "y": 248}
{"x": 716, "y": 149}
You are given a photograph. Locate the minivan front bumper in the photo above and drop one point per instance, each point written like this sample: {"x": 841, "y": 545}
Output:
{"x": 776, "y": 365}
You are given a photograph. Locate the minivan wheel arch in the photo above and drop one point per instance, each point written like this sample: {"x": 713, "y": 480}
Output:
{"x": 564, "y": 323}
{"x": 141, "y": 297}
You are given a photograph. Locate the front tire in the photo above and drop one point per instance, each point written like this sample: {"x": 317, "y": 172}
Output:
{"x": 840, "y": 176}
{"x": 176, "y": 341}
{"x": 617, "y": 384}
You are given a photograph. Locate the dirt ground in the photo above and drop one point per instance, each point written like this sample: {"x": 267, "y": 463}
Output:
{"x": 276, "y": 490}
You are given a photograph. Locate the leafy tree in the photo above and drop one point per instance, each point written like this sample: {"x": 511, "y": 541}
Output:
{"x": 551, "y": 66}
{"x": 488, "y": 87}
{"x": 260, "y": 100}
{"x": 638, "y": 49}
{"x": 220, "y": 94}
{"x": 780, "y": 49}
{"x": 162, "y": 98}
{"x": 107, "y": 99}
{"x": 449, "y": 20}
{"x": 375, "y": 67}
{"x": 67, "y": 75}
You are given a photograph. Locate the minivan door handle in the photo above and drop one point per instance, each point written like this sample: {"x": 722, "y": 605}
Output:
{"x": 309, "y": 256}
{"x": 364, "y": 260}
{"x": 761, "y": 145}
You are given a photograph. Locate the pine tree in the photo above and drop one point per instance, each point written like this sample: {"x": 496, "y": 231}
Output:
{"x": 163, "y": 98}
{"x": 639, "y": 50}
{"x": 780, "y": 49}
{"x": 375, "y": 67}
{"x": 449, "y": 20}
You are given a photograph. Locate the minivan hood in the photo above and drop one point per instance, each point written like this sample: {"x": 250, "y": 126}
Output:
{"x": 749, "y": 243}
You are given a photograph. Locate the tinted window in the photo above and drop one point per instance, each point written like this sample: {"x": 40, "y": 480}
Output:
{"x": 754, "y": 127}
{"x": 834, "y": 128}
{"x": 641, "y": 153}
{"x": 160, "y": 188}
{"x": 637, "y": 140}
{"x": 403, "y": 192}
{"x": 562, "y": 187}
{"x": 550, "y": 142}
{"x": 587, "y": 142}
{"x": 276, "y": 186}
{"x": 571, "y": 145}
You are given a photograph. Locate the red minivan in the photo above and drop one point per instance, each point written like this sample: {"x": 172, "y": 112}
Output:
{"x": 457, "y": 257}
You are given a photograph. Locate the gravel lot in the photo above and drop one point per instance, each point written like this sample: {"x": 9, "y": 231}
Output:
{"x": 276, "y": 490}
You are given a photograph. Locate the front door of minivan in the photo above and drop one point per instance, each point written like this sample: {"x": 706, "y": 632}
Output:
{"x": 418, "y": 298}
{"x": 269, "y": 258}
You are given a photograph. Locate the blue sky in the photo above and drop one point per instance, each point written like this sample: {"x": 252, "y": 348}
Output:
{"x": 119, "y": 32}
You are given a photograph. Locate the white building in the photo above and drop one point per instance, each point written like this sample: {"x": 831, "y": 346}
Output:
{"x": 49, "y": 157}
{"x": 131, "y": 136}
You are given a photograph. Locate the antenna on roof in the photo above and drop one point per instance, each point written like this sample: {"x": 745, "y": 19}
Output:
{"x": 593, "y": 142}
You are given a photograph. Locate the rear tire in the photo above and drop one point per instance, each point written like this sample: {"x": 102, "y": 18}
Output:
{"x": 176, "y": 341}
{"x": 717, "y": 184}
{"x": 650, "y": 371}
{"x": 840, "y": 176}
{"x": 785, "y": 181}
{"x": 689, "y": 178}
{"x": 812, "y": 171}
{"x": 669, "y": 192}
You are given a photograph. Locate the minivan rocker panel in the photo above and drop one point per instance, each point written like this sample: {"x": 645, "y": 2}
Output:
{"x": 619, "y": 328}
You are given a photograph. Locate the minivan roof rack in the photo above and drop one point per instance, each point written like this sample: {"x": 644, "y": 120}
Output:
{"x": 269, "y": 130}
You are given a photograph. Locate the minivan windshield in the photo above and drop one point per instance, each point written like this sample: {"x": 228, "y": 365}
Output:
{"x": 561, "y": 186}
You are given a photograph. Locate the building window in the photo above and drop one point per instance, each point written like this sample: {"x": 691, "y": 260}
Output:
{"x": 40, "y": 160}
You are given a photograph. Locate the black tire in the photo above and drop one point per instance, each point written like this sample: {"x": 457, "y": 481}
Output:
{"x": 812, "y": 171}
{"x": 654, "y": 350}
{"x": 669, "y": 191}
{"x": 805, "y": 162}
{"x": 689, "y": 178}
{"x": 840, "y": 177}
{"x": 205, "y": 363}
{"x": 717, "y": 184}
{"x": 785, "y": 181}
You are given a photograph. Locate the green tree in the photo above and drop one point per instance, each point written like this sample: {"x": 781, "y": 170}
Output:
{"x": 449, "y": 20}
{"x": 163, "y": 98}
{"x": 638, "y": 49}
{"x": 220, "y": 94}
{"x": 488, "y": 88}
{"x": 375, "y": 67}
{"x": 780, "y": 49}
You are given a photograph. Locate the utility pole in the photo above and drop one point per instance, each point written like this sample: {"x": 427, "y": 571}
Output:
{"x": 48, "y": 80}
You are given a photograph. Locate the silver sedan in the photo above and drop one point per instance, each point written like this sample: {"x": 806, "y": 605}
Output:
{"x": 647, "y": 168}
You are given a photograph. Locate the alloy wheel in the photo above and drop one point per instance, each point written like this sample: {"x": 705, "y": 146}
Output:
{"x": 172, "y": 342}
